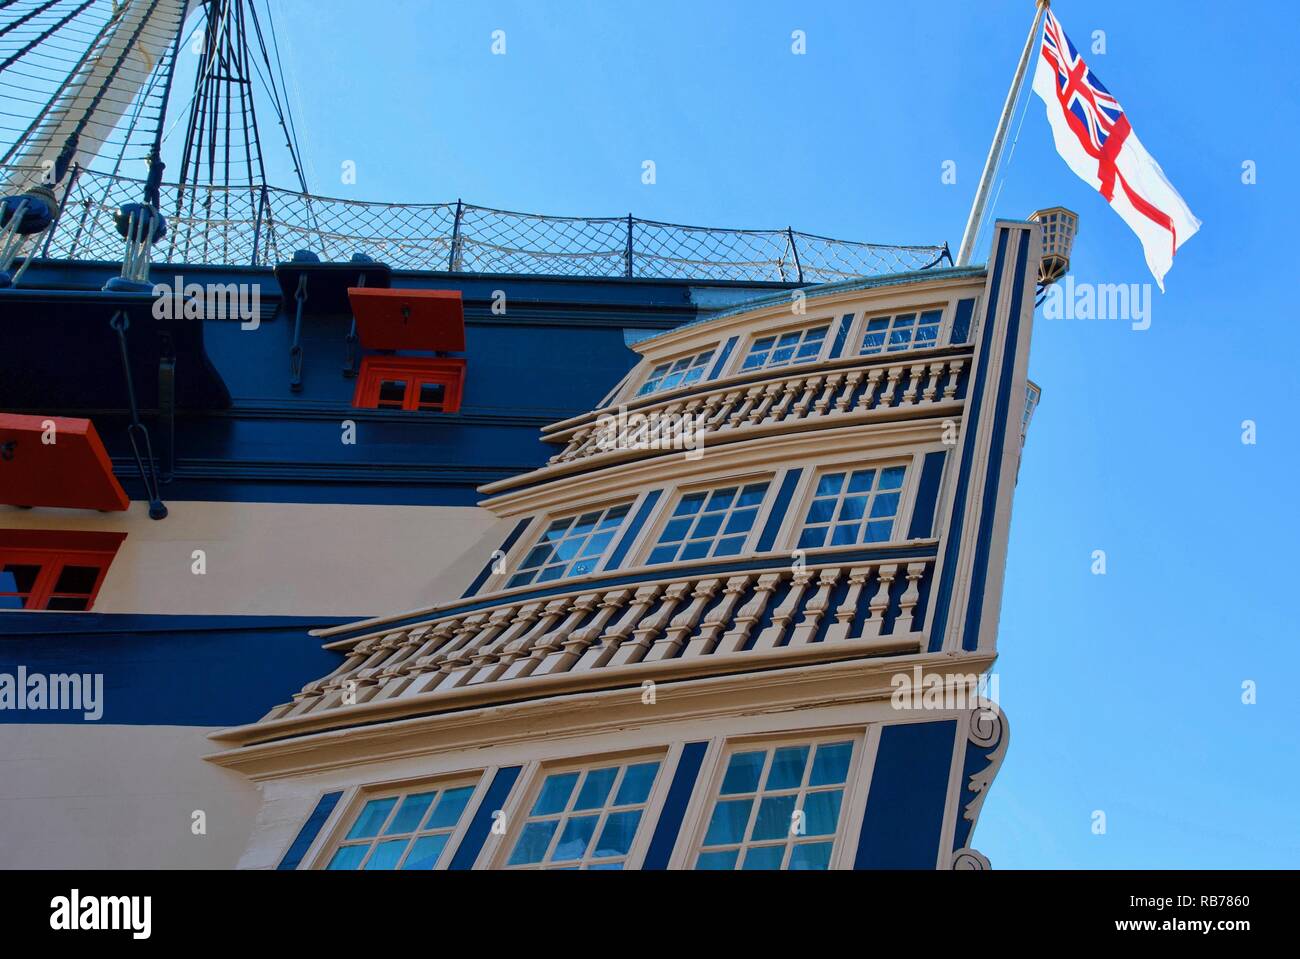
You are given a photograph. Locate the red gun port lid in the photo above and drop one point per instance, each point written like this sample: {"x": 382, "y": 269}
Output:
{"x": 56, "y": 461}
{"x": 389, "y": 319}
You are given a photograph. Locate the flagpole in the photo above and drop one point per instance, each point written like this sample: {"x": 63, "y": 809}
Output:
{"x": 977, "y": 209}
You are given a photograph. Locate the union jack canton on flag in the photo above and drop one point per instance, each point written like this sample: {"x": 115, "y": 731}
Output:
{"x": 1094, "y": 138}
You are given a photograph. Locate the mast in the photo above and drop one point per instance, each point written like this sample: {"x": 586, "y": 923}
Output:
{"x": 977, "y": 209}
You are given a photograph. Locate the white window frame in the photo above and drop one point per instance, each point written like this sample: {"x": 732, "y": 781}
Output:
{"x": 856, "y": 783}
{"x": 334, "y": 835}
{"x": 700, "y": 359}
{"x": 905, "y": 496}
{"x": 946, "y": 313}
{"x": 537, "y": 531}
{"x": 803, "y": 330}
{"x": 518, "y": 809}
{"x": 671, "y": 497}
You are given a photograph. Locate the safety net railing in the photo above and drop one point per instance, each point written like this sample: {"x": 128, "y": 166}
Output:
{"x": 261, "y": 226}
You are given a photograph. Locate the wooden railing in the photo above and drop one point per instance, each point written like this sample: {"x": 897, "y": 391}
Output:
{"x": 825, "y": 611}
{"x": 796, "y": 396}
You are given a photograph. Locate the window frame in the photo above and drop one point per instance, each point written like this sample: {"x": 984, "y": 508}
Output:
{"x": 52, "y": 551}
{"x": 858, "y": 334}
{"x": 912, "y": 461}
{"x": 865, "y": 739}
{"x": 514, "y": 563}
{"x": 334, "y": 834}
{"x": 803, "y": 329}
{"x": 710, "y": 355}
{"x": 517, "y": 810}
{"x": 415, "y": 371}
{"x": 649, "y": 540}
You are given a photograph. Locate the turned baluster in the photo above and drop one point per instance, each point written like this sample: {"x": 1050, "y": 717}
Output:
{"x": 936, "y": 370}
{"x": 869, "y": 391}
{"x": 789, "y": 390}
{"x": 451, "y": 665}
{"x": 597, "y": 656}
{"x": 476, "y": 666}
{"x": 909, "y": 394}
{"x": 954, "y": 371}
{"x": 580, "y": 639}
{"x": 832, "y": 384}
{"x": 850, "y": 387}
{"x": 848, "y": 609}
{"x": 771, "y": 637}
{"x": 724, "y": 409}
{"x": 683, "y": 624}
{"x": 704, "y": 642}
{"x": 760, "y": 412}
{"x": 735, "y": 638}
{"x": 550, "y": 642}
{"x": 521, "y": 647}
{"x": 887, "y": 397}
{"x": 811, "y": 387}
{"x": 751, "y": 396}
{"x": 879, "y": 604}
{"x": 635, "y": 650}
{"x": 816, "y": 608}
{"x": 907, "y": 602}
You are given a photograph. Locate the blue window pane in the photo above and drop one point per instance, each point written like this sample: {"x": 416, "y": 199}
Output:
{"x": 743, "y": 772}
{"x": 696, "y": 550}
{"x": 812, "y": 538}
{"x": 620, "y": 829}
{"x": 721, "y": 498}
{"x": 853, "y": 507}
{"x": 411, "y": 813}
{"x": 534, "y": 839}
{"x": 892, "y": 478}
{"x": 844, "y": 535}
{"x": 707, "y": 525}
{"x": 689, "y": 505}
{"x": 565, "y": 550}
{"x": 931, "y": 317}
{"x": 585, "y": 524}
{"x": 425, "y": 852}
{"x": 886, "y": 504}
{"x": 348, "y": 857}
{"x": 861, "y": 480}
{"x": 782, "y": 355}
{"x": 556, "y": 529}
{"x": 583, "y": 566}
{"x": 550, "y": 573}
{"x": 904, "y": 320}
{"x": 614, "y": 518}
{"x": 596, "y": 544}
{"x": 729, "y": 546}
{"x": 692, "y": 375}
{"x": 664, "y": 554}
{"x": 927, "y": 335}
{"x": 829, "y": 485}
{"x": 879, "y": 532}
{"x": 555, "y": 794}
{"x": 775, "y": 816}
{"x": 831, "y": 764}
{"x": 764, "y": 857}
{"x": 741, "y": 521}
{"x": 717, "y": 860}
{"x": 822, "y": 812}
{"x": 573, "y": 841}
{"x": 730, "y": 817}
{"x": 753, "y": 361}
{"x": 606, "y": 865}
{"x": 387, "y": 854}
{"x": 519, "y": 579}
{"x": 762, "y": 343}
{"x": 536, "y": 556}
{"x": 675, "y": 531}
{"x": 880, "y": 323}
{"x": 449, "y": 808}
{"x": 373, "y": 816}
{"x": 752, "y": 494}
{"x": 821, "y": 511}
{"x": 873, "y": 342}
{"x": 595, "y": 788}
{"x": 813, "y": 855}
{"x": 671, "y": 380}
{"x": 787, "y": 768}
{"x": 635, "y": 787}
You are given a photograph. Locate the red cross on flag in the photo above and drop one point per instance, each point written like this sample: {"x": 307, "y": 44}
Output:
{"x": 1094, "y": 138}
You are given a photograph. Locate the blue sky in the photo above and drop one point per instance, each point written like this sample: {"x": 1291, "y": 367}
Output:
{"x": 1123, "y": 690}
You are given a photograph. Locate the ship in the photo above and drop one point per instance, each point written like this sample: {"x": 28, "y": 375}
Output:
{"x": 363, "y": 535}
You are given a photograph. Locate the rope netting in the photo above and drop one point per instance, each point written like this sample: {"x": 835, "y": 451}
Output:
{"x": 262, "y": 226}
